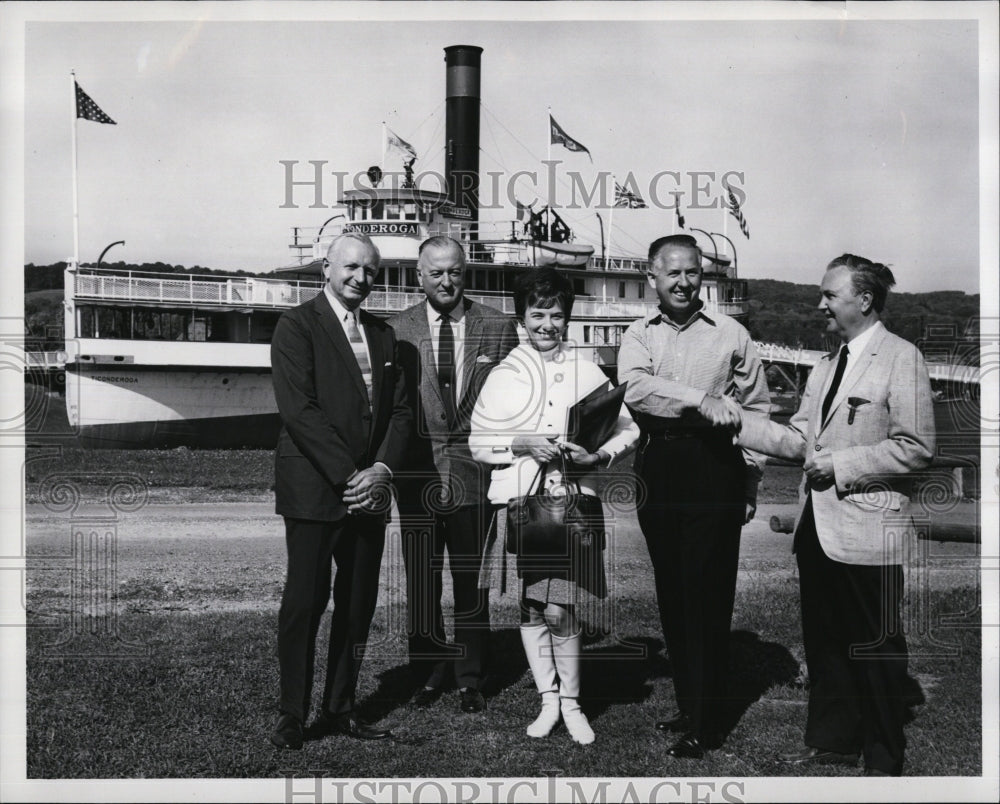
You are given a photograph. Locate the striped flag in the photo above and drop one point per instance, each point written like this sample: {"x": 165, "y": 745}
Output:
{"x": 560, "y": 137}
{"x": 88, "y": 110}
{"x": 680, "y": 218}
{"x": 395, "y": 141}
{"x": 736, "y": 212}
{"x": 627, "y": 198}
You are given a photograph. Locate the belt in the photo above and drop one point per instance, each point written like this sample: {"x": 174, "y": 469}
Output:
{"x": 677, "y": 433}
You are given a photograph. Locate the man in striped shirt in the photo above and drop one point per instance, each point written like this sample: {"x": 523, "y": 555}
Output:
{"x": 699, "y": 489}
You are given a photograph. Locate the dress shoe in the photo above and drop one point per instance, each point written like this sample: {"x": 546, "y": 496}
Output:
{"x": 876, "y": 772}
{"x": 426, "y": 696}
{"x": 472, "y": 700}
{"x": 287, "y": 733}
{"x": 346, "y": 724}
{"x": 679, "y": 724}
{"x": 687, "y": 747}
{"x": 817, "y": 756}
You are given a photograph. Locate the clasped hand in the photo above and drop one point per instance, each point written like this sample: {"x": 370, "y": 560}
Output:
{"x": 367, "y": 490}
{"x": 544, "y": 450}
{"x": 722, "y": 412}
{"x": 818, "y": 467}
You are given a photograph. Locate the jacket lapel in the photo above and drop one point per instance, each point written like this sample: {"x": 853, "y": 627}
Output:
{"x": 335, "y": 331}
{"x": 376, "y": 355}
{"x": 857, "y": 372}
{"x": 473, "y": 341}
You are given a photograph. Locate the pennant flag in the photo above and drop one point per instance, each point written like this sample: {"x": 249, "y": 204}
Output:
{"x": 736, "y": 212}
{"x": 677, "y": 212}
{"x": 397, "y": 142}
{"x": 88, "y": 110}
{"x": 560, "y": 137}
{"x": 524, "y": 210}
{"x": 628, "y": 198}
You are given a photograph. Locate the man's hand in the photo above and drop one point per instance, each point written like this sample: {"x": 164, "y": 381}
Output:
{"x": 579, "y": 456}
{"x": 368, "y": 490}
{"x": 751, "y": 510}
{"x": 538, "y": 447}
{"x": 819, "y": 469}
{"x": 722, "y": 412}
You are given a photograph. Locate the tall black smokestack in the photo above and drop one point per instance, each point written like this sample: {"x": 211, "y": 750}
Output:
{"x": 462, "y": 129}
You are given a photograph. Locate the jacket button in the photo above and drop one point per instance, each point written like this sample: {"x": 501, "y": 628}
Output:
{"x": 818, "y": 448}
{"x": 443, "y": 417}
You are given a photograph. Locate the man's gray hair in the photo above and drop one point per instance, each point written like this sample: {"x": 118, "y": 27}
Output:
{"x": 361, "y": 237}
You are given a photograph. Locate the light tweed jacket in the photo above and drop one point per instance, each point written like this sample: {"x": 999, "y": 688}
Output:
{"x": 879, "y": 428}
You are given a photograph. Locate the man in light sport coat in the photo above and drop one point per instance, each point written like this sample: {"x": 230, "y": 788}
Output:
{"x": 442, "y": 490}
{"x": 864, "y": 423}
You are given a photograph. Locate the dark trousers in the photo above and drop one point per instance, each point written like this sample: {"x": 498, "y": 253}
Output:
{"x": 691, "y": 513}
{"x": 355, "y": 543}
{"x": 855, "y": 652}
{"x": 425, "y": 537}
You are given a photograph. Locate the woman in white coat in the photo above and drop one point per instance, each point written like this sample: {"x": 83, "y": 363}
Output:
{"x": 519, "y": 426}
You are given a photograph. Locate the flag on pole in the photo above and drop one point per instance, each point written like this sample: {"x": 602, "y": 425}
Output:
{"x": 627, "y": 198}
{"x": 560, "y": 137}
{"x": 395, "y": 141}
{"x": 88, "y": 110}
{"x": 736, "y": 212}
{"x": 680, "y": 218}
{"x": 524, "y": 210}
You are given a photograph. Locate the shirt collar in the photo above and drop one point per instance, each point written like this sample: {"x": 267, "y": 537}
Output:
{"x": 859, "y": 343}
{"x": 657, "y": 317}
{"x": 338, "y": 309}
{"x": 457, "y": 314}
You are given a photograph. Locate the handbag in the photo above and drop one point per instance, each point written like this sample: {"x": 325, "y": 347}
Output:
{"x": 543, "y": 525}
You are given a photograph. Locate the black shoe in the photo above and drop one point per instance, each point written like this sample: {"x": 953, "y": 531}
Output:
{"x": 817, "y": 756}
{"x": 679, "y": 724}
{"x": 346, "y": 724}
{"x": 472, "y": 700}
{"x": 287, "y": 733}
{"x": 426, "y": 696}
{"x": 877, "y": 772}
{"x": 687, "y": 747}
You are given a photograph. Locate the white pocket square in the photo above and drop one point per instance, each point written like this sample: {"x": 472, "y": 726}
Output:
{"x": 484, "y": 359}
{"x": 388, "y": 363}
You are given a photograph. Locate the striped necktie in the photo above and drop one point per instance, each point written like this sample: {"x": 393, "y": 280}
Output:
{"x": 360, "y": 353}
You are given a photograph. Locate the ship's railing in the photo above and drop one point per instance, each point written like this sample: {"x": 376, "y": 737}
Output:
{"x": 193, "y": 289}
{"x": 631, "y": 264}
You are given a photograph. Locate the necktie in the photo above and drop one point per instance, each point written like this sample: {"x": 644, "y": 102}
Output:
{"x": 838, "y": 375}
{"x": 360, "y": 353}
{"x": 446, "y": 366}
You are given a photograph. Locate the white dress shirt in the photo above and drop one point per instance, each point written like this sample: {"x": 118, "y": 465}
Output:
{"x": 458, "y": 328}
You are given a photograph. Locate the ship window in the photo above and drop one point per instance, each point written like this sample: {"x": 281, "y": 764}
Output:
{"x": 586, "y": 333}
{"x": 579, "y": 287}
{"x": 411, "y": 277}
{"x": 642, "y": 290}
{"x": 493, "y": 279}
{"x": 621, "y": 290}
{"x": 410, "y": 212}
{"x": 392, "y": 212}
{"x": 392, "y": 276}
{"x": 378, "y": 210}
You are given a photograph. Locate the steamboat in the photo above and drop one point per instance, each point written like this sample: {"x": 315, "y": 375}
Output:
{"x": 168, "y": 360}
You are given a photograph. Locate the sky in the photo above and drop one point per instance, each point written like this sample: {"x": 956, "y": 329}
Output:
{"x": 846, "y": 134}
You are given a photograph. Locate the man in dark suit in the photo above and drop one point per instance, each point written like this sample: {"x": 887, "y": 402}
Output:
{"x": 866, "y": 421}
{"x": 346, "y": 420}
{"x": 447, "y": 345}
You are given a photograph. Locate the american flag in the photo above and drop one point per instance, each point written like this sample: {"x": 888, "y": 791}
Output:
{"x": 393, "y": 140}
{"x": 560, "y": 137}
{"x": 736, "y": 212}
{"x": 627, "y": 198}
{"x": 88, "y": 110}
{"x": 680, "y": 218}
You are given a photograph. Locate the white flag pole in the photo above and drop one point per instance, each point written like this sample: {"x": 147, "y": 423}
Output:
{"x": 385, "y": 145}
{"x": 611, "y": 216}
{"x": 725, "y": 225}
{"x": 76, "y": 209}
{"x": 548, "y": 199}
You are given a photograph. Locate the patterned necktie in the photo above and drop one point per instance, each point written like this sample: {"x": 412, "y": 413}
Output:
{"x": 446, "y": 366}
{"x": 838, "y": 375}
{"x": 360, "y": 353}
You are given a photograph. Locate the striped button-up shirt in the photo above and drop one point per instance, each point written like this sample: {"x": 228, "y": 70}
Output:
{"x": 670, "y": 369}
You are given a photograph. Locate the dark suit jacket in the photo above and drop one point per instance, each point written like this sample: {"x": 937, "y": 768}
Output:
{"x": 328, "y": 431}
{"x": 439, "y": 449}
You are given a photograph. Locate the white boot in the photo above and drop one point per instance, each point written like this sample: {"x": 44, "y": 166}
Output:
{"x": 566, "y": 652}
{"x": 538, "y": 648}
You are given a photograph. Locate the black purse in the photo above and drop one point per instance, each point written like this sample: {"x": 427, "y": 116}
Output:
{"x": 543, "y": 525}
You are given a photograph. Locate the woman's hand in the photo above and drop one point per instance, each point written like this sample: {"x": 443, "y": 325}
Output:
{"x": 538, "y": 447}
{"x": 579, "y": 456}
